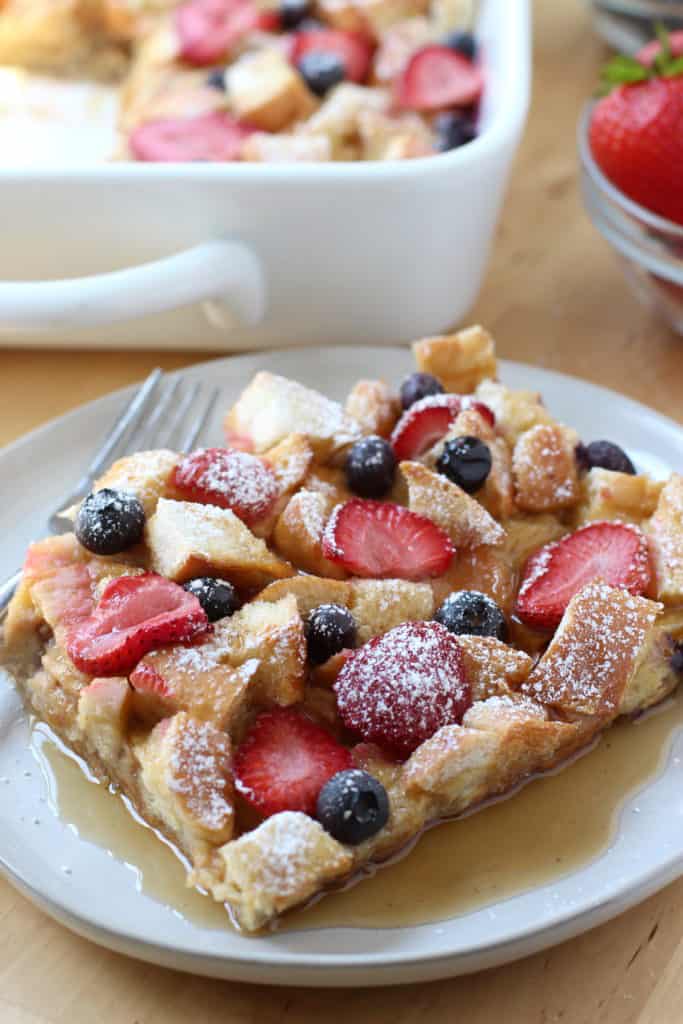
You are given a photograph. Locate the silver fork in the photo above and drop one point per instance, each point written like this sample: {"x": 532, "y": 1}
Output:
{"x": 160, "y": 412}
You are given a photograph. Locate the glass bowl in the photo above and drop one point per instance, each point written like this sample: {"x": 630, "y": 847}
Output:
{"x": 649, "y": 248}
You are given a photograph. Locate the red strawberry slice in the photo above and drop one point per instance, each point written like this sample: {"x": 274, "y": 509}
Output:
{"x": 647, "y": 54}
{"x": 423, "y": 424}
{"x": 284, "y": 761}
{"x": 135, "y": 614}
{"x": 436, "y": 78}
{"x": 215, "y": 136}
{"x": 208, "y": 29}
{"x": 401, "y": 687}
{"x": 386, "y": 541}
{"x": 614, "y": 552}
{"x": 228, "y": 478}
{"x": 353, "y": 49}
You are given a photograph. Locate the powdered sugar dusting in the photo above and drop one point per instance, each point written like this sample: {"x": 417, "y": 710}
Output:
{"x": 230, "y": 479}
{"x": 667, "y": 535}
{"x": 200, "y": 772}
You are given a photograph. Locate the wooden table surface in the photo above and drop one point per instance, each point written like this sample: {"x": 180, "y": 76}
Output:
{"x": 553, "y": 297}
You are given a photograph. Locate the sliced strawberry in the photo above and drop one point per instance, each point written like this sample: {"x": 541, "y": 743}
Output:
{"x": 647, "y": 54}
{"x": 215, "y": 136}
{"x": 208, "y": 29}
{"x": 436, "y": 78}
{"x": 484, "y": 411}
{"x": 386, "y": 541}
{"x": 614, "y": 552}
{"x": 228, "y": 478}
{"x": 353, "y": 49}
{"x": 423, "y": 424}
{"x": 401, "y": 687}
{"x": 135, "y": 614}
{"x": 285, "y": 760}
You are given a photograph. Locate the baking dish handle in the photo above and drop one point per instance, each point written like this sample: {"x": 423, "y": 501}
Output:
{"x": 225, "y": 273}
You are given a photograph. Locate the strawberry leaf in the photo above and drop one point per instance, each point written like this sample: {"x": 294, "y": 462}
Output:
{"x": 624, "y": 70}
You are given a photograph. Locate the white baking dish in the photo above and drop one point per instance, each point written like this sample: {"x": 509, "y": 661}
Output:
{"x": 293, "y": 254}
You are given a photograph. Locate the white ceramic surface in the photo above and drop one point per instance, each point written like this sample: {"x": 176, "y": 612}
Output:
{"x": 374, "y": 253}
{"x": 98, "y": 898}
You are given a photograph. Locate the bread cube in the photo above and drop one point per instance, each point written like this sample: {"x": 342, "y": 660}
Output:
{"x": 609, "y": 495}
{"x": 272, "y": 407}
{"x": 266, "y": 91}
{"x": 374, "y": 406}
{"x": 466, "y": 522}
{"x": 515, "y": 411}
{"x": 299, "y": 530}
{"x": 144, "y": 474}
{"x": 292, "y": 147}
{"x": 104, "y": 709}
{"x": 398, "y": 44}
{"x": 544, "y": 469}
{"x": 460, "y": 361}
{"x": 186, "y": 539}
{"x": 666, "y": 531}
{"x": 379, "y": 605}
{"x": 493, "y": 668}
{"x": 309, "y": 592}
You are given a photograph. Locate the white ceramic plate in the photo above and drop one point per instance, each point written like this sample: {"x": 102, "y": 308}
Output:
{"x": 98, "y": 898}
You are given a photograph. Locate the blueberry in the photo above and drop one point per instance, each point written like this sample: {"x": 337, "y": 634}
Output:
{"x": 677, "y": 658}
{"x": 466, "y": 461}
{"x": 370, "y": 467}
{"x": 352, "y": 806}
{"x": 417, "y": 386}
{"x": 110, "y": 521}
{"x": 604, "y": 455}
{"x": 293, "y": 12}
{"x": 463, "y": 43}
{"x": 453, "y": 130}
{"x": 216, "y": 79}
{"x": 329, "y": 628}
{"x": 321, "y": 71}
{"x": 469, "y": 611}
{"x": 217, "y": 597}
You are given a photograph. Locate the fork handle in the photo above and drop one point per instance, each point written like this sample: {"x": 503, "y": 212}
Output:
{"x": 7, "y": 590}
{"x": 226, "y": 274}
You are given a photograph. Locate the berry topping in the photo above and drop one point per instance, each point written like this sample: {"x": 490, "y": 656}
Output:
{"x": 208, "y": 29}
{"x": 417, "y": 386}
{"x": 635, "y": 131}
{"x": 453, "y": 130}
{"x": 614, "y": 552}
{"x": 657, "y": 47}
{"x": 293, "y": 12}
{"x": 352, "y": 806}
{"x": 385, "y": 541}
{"x": 677, "y": 658}
{"x": 466, "y": 461}
{"x": 474, "y": 613}
{"x": 353, "y": 50}
{"x": 437, "y": 78}
{"x": 110, "y": 521}
{"x": 135, "y": 614}
{"x": 370, "y": 467}
{"x": 321, "y": 71}
{"x": 423, "y": 424}
{"x": 463, "y": 43}
{"x": 604, "y": 455}
{"x": 215, "y": 136}
{"x": 216, "y": 79}
{"x": 218, "y": 598}
{"x": 284, "y": 761}
{"x": 228, "y": 478}
{"x": 329, "y": 629}
{"x": 401, "y": 687}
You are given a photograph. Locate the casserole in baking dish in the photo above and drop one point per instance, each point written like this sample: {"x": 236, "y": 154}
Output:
{"x": 287, "y": 254}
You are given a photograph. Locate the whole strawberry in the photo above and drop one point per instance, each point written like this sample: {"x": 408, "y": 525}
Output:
{"x": 636, "y": 131}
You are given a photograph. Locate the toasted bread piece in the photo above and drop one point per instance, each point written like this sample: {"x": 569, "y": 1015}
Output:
{"x": 486, "y": 569}
{"x": 272, "y": 407}
{"x": 299, "y": 530}
{"x": 286, "y": 147}
{"x": 544, "y": 469}
{"x": 595, "y": 654}
{"x": 187, "y": 780}
{"x": 338, "y": 116}
{"x": 290, "y": 461}
{"x": 104, "y": 708}
{"x": 461, "y": 361}
{"x": 493, "y": 668}
{"x": 309, "y": 592}
{"x": 609, "y": 495}
{"x": 265, "y": 90}
{"x": 379, "y": 605}
{"x": 374, "y": 406}
{"x": 403, "y": 136}
{"x": 276, "y": 866}
{"x": 186, "y": 539}
{"x": 144, "y": 474}
{"x": 515, "y": 411}
{"x": 466, "y": 522}
{"x": 666, "y": 531}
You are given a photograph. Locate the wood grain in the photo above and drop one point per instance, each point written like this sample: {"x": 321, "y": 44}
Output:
{"x": 554, "y": 296}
